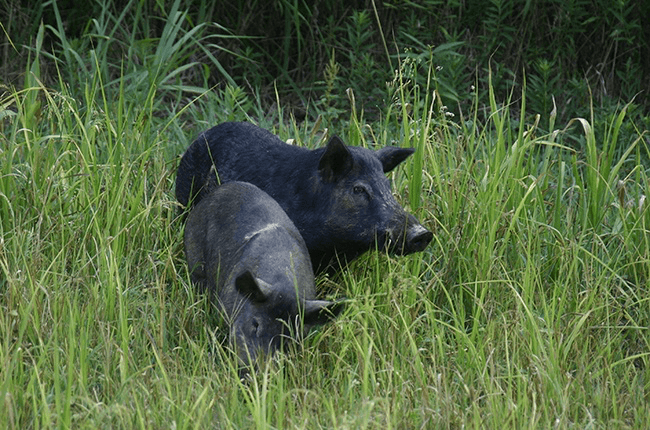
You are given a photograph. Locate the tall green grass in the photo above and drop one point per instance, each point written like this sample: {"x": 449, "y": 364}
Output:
{"x": 529, "y": 309}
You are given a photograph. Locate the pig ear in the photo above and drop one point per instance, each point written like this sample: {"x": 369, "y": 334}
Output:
{"x": 391, "y": 156}
{"x": 335, "y": 161}
{"x": 319, "y": 312}
{"x": 248, "y": 286}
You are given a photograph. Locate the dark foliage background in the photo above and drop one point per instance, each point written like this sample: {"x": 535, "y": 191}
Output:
{"x": 311, "y": 52}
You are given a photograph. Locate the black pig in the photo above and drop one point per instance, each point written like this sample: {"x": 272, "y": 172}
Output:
{"x": 244, "y": 251}
{"x": 337, "y": 196}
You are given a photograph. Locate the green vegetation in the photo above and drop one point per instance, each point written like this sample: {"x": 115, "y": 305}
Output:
{"x": 529, "y": 310}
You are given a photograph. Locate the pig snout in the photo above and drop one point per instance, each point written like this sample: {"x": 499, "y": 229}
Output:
{"x": 409, "y": 238}
{"x": 417, "y": 239}
{"x": 252, "y": 338}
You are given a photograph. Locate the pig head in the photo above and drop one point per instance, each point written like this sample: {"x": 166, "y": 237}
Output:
{"x": 359, "y": 210}
{"x": 263, "y": 320}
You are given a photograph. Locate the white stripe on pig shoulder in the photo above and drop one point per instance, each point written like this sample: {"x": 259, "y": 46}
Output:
{"x": 268, "y": 227}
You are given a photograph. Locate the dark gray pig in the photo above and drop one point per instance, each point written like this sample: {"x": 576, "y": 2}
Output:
{"x": 244, "y": 251}
{"x": 337, "y": 196}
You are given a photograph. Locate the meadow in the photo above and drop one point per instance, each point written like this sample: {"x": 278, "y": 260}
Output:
{"x": 530, "y": 308}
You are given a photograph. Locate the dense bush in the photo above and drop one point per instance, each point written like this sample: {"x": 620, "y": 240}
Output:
{"x": 570, "y": 51}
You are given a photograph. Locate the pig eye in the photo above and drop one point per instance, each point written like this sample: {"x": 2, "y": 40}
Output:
{"x": 360, "y": 189}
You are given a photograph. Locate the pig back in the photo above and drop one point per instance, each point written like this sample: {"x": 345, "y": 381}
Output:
{"x": 278, "y": 256}
{"x": 236, "y": 226}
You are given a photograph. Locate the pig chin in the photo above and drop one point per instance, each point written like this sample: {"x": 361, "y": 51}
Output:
{"x": 390, "y": 240}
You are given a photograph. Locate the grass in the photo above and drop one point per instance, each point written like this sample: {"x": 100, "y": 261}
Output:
{"x": 528, "y": 310}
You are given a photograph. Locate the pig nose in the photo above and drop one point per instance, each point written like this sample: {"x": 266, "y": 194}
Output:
{"x": 417, "y": 239}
